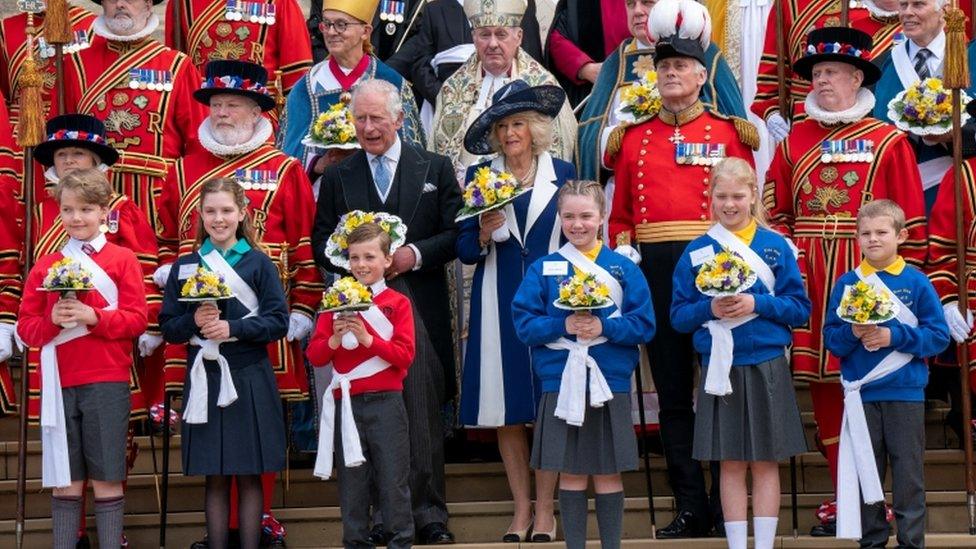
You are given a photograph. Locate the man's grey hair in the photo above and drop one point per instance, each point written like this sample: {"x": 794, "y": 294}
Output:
{"x": 394, "y": 103}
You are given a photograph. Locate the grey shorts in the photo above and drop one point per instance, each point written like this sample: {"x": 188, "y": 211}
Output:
{"x": 97, "y": 417}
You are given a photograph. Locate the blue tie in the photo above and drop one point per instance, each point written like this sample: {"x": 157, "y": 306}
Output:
{"x": 381, "y": 176}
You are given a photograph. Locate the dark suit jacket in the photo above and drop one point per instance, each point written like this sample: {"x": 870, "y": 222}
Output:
{"x": 426, "y": 196}
{"x": 384, "y": 45}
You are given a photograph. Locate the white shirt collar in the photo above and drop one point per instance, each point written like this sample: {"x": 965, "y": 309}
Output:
{"x": 937, "y": 47}
{"x": 101, "y": 29}
{"x": 98, "y": 242}
{"x": 378, "y": 287}
{"x": 392, "y": 154}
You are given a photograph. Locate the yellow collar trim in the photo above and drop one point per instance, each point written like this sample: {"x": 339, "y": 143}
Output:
{"x": 747, "y": 233}
{"x": 683, "y": 117}
{"x": 896, "y": 267}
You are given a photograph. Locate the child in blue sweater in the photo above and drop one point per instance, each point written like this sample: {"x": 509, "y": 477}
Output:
{"x": 747, "y": 416}
{"x": 884, "y": 376}
{"x": 584, "y": 361}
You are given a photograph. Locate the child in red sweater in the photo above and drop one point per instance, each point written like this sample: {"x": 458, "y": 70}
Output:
{"x": 367, "y": 383}
{"x": 85, "y": 400}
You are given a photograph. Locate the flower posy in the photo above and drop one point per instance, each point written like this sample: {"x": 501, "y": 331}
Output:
{"x": 333, "y": 127}
{"x": 67, "y": 274}
{"x": 204, "y": 283}
{"x": 337, "y": 247}
{"x": 347, "y": 292}
{"x": 488, "y": 189}
{"x": 726, "y": 273}
{"x": 642, "y": 98}
{"x": 862, "y": 303}
{"x": 925, "y": 108}
{"x": 583, "y": 290}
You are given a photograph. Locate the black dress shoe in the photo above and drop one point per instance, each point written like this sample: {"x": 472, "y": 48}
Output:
{"x": 83, "y": 542}
{"x": 435, "y": 533}
{"x": 824, "y": 530}
{"x": 684, "y": 525}
{"x": 378, "y": 535}
{"x": 202, "y": 544}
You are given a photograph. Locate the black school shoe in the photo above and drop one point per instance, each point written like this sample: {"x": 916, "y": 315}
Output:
{"x": 825, "y": 529}
{"x": 435, "y": 533}
{"x": 684, "y": 525}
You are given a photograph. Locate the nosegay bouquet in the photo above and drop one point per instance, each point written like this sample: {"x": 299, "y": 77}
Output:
{"x": 726, "y": 273}
{"x": 642, "y": 98}
{"x": 488, "y": 190}
{"x": 925, "y": 108}
{"x": 347, "y": 294}
{"x": 67, "y": 275}
{"x": 583, "y": 291}
{"x": 333, "y": 129}
{"x": 863, "y": 303}
{"x": 203, "y": 285}
{"x": 337, "y": 248}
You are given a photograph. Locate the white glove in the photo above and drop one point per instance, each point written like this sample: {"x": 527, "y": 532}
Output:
{"x": 299, "y": 326}
{"x": 777, "y": 126}
{"x": 959, "y": 327}
{"x": 629, "y": 252}
{"x": 501, "y": 234}
{"x": 161, "y": 274}
{"x": 6, "y": 341}
{"x": 149, "y": 343}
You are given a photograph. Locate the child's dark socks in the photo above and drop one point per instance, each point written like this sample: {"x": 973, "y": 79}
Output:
{"x": 65, "y": 519}
{"x": 610, "y": 518}
{"x": 572, "y": 511}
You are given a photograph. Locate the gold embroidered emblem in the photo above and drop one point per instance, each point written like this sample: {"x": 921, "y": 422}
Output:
{"x": 224, "y": 29}
{"x": 48, "y": 79}
{"x": 124, "y": 143}
{"x": 832, "y": 22}
{"x": 227, "y": 49}
{"x": 119, "y": 99}
{"x": 141, "y": 101}
{"x": 805, "y": 186}
{"x": 119, "y": 120}
{"x": 643, "y": 65}
{"x": 243, "y": 33}
{"x": 829, "y": 174}
{"x": 101, "y": 104}
{"x": 260, "y": 217}
{"x": 828, "y": 196}
{"x": 851, "y": 178}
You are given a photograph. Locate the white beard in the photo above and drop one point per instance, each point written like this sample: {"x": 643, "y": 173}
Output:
{"x": 120, "y": 24}
{"x": 232, "y": 136}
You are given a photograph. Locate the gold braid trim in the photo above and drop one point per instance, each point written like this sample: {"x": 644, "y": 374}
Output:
{"x": 748, "y": 133}
{"x": 616, "y": 139}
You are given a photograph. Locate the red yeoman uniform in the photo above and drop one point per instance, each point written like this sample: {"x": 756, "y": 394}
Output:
{"x": 283, "y": 209}
{"x": 128, "y": 228}
{"x": 107, "y": 349}
{"x": 942, "y": 259}
{"x": 151, "y": 128}
{"x": 278, "y": 43}
{"x": 398, "y": 351}
{"x": 11, "y": 248}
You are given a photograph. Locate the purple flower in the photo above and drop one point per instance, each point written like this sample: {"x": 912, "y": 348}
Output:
{"x": 940, "y": 98}
{"x": 911, "y": 112}
{"x": 727, "y": 265}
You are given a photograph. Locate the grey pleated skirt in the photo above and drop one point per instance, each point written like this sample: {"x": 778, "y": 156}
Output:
{"x": 605, "y": 444}
{"x": 245, "y": 438}
{"x": 759, "y": 421}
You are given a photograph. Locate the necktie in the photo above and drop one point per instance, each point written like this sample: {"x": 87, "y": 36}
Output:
{"x": 921, "y": 63}
{"x": 88, "y": 248}
{"x": 381, "y": 176}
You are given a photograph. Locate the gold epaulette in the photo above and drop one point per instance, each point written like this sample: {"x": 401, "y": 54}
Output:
{"x": 616, "y": 139}
{"x": 748, "y": 134}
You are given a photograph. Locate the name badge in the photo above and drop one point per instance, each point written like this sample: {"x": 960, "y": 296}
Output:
{"x": 555, "y": 268}
{"x": 186, "y": 271}
{"x": 701, "y": 255}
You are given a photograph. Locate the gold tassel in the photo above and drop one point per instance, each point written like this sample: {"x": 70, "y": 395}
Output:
{"x": 57, "y": 22}
{"x": 279, "y": 92}
{"x": 955, "y": 75}
{"x": 616, "y": 139}
{"x": 30, "y": 127}
{"x": 748, "y": 133}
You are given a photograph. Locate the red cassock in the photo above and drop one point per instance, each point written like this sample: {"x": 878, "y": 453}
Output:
{"x": 816, "y": 204}
{"x": 13, "y": 38}
{"x": 656, "y": 199}
{"x": 801, "y": 17}
{"x": 128, "y": 228}
{"x": 942, "y": 259}
{"x": 210, "y": 31}
{"x": 150, "y": 128}
{"x": 283, "y": 210}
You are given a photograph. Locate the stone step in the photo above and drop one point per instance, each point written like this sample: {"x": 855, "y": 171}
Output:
{"x": 484, "y": 522}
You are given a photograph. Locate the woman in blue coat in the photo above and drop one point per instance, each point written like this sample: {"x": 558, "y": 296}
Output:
{"x": 498, "y": 388}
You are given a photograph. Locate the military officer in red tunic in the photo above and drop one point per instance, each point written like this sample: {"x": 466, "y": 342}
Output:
{"x": 271, "y": 33}
{"x": 144, "y": 93}
{"x": 833, "y": 162}
{"x": 234, "y": 141}
{"x": 660, "y": 204}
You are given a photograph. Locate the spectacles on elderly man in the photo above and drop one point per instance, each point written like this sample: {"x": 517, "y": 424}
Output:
{"x": 340, "y": 26}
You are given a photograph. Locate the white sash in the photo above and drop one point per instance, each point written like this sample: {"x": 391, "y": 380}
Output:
{"x": 904, "y": 67}
{"x": 195, "y": 410}
{"x": 856, "y": 464}
{"x": 55, "y": 465}
{"x": 723, "y": 347}
{"x": 351, "y": 447}
{"x": 571, "y": 402}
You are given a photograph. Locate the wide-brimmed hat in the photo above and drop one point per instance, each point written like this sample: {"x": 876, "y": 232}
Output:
{"x": 841, "y": 44}
{"x": 75, "y": 130}
{"x": 225, "y": 76}
{"x": 512, "y": 98}
{"x": 674, "y": 46}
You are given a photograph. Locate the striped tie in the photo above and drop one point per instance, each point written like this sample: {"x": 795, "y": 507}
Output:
{"x": 921, "y": 63}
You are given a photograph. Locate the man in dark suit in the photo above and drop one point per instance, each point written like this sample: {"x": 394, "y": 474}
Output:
{"x": 391, "y": 176}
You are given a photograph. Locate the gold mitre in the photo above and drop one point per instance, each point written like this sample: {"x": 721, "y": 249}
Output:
{"x": 494, "y": 13}
{"x": 360, "y": 9}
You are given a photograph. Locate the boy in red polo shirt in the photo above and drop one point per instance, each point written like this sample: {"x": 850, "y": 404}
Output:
{"x": 86, "y": 354}
{"x": 368, "y": 382}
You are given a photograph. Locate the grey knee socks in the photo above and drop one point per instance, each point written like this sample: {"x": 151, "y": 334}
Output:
{"x": 572, "y": 511}
{"x": 610, "y": 518}
{"x": 109, "y": 514}
{"x": 65, "y": 519}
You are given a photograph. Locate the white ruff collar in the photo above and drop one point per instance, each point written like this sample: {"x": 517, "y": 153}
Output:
{"x": 862, "y": 107}
{"x": 101, "y": 29}
{"x": 262, "y": 131}
{"x": 876, "y": 11}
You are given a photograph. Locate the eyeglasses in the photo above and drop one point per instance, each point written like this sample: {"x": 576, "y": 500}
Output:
{"x": 340, "y": 26}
